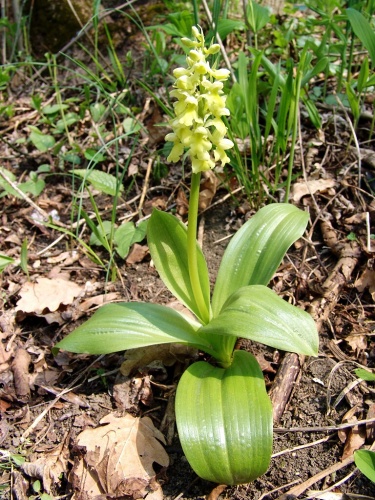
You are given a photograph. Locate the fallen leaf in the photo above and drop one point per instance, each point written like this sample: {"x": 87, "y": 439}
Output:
{"x": 168, "y": 354}
{"x": 355, "y": 436}
{"x": 357, "y": 342}
{"x": 98, "y": 300}
{"x": 182, "y": 204}
{"x": 208, "y": 189}
{"x": 366, "y": 280}
{"x": 137, "y": 254}
{"x": 303, "y": 188}
{"x": 118, "y": 458}
{"x": 46, "y": 295}
{"x": 50, "y": 466}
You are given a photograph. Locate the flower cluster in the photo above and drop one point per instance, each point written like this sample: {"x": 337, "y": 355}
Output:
{"x": 200, "y": 104}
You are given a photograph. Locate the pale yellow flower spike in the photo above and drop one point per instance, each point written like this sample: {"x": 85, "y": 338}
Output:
{"x": 197, "y": 125}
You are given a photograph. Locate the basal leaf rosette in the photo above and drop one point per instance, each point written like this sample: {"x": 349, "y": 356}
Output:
{"x": 198, "y": 126}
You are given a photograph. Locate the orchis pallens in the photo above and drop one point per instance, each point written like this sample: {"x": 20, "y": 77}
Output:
{"x": 200, "y": 105}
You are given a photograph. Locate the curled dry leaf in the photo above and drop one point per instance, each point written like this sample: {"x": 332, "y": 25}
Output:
{"x": 301, "y": 189}
{"x": 118, "y": 459}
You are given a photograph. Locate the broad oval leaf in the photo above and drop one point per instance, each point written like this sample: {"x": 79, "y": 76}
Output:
{"x": 167, "y": 241}
{"x": 256, "y": 250}
{"x": 119, "y": 326}
{"x": 256, "y": 312}
{"x": 224, "y": 420}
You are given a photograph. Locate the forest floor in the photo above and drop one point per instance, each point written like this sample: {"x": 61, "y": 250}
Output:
{"x": 47, "y": 401}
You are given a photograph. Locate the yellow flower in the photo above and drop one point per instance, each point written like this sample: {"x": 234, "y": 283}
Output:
{"x": 199, "y": 108}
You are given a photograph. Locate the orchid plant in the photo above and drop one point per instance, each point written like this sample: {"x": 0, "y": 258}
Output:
{"x": 223, "y": 412}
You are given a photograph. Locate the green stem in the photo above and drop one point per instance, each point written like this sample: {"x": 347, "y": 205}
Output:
{"x": 192, "y": 248}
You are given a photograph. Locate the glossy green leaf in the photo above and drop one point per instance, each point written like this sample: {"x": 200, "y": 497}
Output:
{"x": 256, "y": 250}
{"x": 365, "y": 461}
{"x": 119, "y": 326}
{"x": 256, "y": 312}
{"x": 167, "y": 241}
{"x": 224, "y": 420}
{"x": 101, "y": 181}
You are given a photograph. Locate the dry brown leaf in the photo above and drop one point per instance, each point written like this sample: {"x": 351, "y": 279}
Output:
{"x": 168, "y": 354}
{"x": 303, "y": 188}
{"x": 46, "y": 294}
{"x": 357, "y": 342}
{"x": 208, "y": 189}
{"x": 98, "y": 300}
{"x": 355, "y": 439}
{"x": 366, "y": 280}
{"x": 50, "y": 466}
{"x": 182, "y": 203}
{"x": 119, "y": 458}
{"x": 137, "y": 254}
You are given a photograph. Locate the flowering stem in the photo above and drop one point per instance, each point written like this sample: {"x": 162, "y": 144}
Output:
{"x": 192, "y": 247}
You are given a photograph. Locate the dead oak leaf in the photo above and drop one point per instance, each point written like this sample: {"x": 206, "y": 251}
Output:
{"x": 46, "y": 294}
{"x": 119, "y": 453}
{"x": 303, "y": 188}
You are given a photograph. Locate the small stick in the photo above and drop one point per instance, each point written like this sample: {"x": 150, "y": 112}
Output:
{"x": 284, "y": 383}
{"x": 145, "y": 186}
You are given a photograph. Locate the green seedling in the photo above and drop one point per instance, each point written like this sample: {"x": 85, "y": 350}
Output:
{"x": 223, "y": 412}
{"x": 33, "y": 186}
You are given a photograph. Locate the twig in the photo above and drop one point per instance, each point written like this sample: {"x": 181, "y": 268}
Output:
{"x": 145, "y": 186}
{"x": 301, "y": 447}
{"x": 326, "y": 428}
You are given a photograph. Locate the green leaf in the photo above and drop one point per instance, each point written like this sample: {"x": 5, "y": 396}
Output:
{"x": 256, "y": 250}
{"x": 32, "y": 187}
{"x": 365, "y": 461}
{"x": 52, "y": 109}
{"x": 98, "y": 236}
{"x": 94, "y": 155}
{"x": 365, "y": 374}
{"x": 120, "y": 326}
{"x": 364, "y": 31}
{"x": 167, "y": 241}
{"x": 4, "y": 262}
{"x": 224, "y": 420}
{"x": 256, "y": 312}
{"x": 123, "y": 238}
{"x": 257, "y": 16}
{"x": 97, "y": 111}
{"x": 41, "y": 141}
{"x": 5, "y": 185}
{"x": 127, "y": 234}
{"x": 101, "y": 181}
